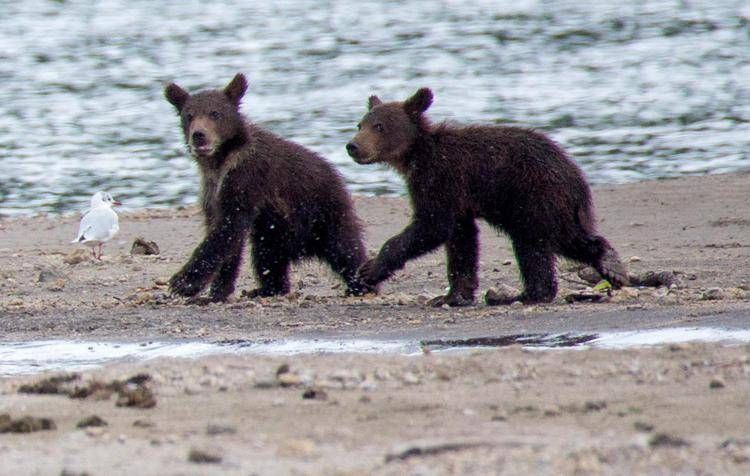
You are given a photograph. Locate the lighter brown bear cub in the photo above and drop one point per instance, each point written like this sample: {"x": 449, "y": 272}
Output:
{"x": 516, "y": 179}
{"x": 289, "y": 201}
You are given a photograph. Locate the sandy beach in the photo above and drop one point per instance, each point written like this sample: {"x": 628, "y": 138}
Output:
{"x": 678, "y": 408}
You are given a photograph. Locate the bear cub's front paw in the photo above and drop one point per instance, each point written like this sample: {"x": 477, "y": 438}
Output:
{"x": 372, "y": 272}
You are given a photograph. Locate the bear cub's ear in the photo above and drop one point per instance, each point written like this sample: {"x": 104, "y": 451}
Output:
{"x": 373, "y": 101}
{"x": 419, "y": 103}
{"x": 236, "y": 88}
{"x": 176, "y": 95}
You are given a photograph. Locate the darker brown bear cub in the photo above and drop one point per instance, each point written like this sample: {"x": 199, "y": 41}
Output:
{"x": 291, "y": 201}
{"x": 518, "y": 180}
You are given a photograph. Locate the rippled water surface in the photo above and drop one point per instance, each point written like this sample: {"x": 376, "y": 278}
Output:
{"x": 635, "y": 90}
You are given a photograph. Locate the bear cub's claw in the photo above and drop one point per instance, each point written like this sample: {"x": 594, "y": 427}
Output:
{"x": 614, "y": 270}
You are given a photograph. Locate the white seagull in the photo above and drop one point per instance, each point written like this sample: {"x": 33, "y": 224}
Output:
{"x": 99, "y": 223}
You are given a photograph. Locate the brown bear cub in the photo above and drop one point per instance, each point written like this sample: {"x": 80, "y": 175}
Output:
{"x": 290, "y": 201}
{"x": 516, "y": 179}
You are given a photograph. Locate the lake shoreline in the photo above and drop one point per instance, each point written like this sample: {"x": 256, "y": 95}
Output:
{"x": 693, "y": 227}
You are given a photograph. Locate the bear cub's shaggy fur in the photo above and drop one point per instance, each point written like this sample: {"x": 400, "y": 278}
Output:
{"x": 516, "y": 179}
{"x": 291, "y": 201}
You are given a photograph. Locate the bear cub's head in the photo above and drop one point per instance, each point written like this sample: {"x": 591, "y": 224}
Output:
{"x": 209, "y": 118}
{"x": 388, "y": 130}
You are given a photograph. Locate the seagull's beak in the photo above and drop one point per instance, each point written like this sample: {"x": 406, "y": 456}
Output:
{"x": 116, "y": 203}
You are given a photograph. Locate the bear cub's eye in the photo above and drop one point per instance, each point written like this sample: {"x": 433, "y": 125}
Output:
{"x": 189, "y": 117}
{"x": 379, "y": 127}
{"x": 359, "y": 126}
{"x": 215, "y": 115}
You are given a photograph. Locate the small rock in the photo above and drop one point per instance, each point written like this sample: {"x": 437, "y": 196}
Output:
{"x": 643, "y": 426}
{"x": 265, "y": 383}
{"x": 27, "y": 424}
{"x": 57, "y": 286}
{"x": 93, "y": 420}
{"x": 56, "y": 384}
{"x": 634, "y": 259}
{"x": 215, "y": 429}
{"x": 502, "y": 294}
{"x": 68, "y": 472}
{"x": 143, "y": 247}
{"x": 589, "y": 274}
{"x": 143, "y": 424}
{"x": 289, "y": 379}
{"x": 584, "y": 296}
{"x": 297, "y": 448}
{"x": 594, "y": 406}
{"x": 313, "y": 393}
{"x": 654, "y": 279}
{"x": 717, "y": 382}
{"x": 502, "y": 416}
{"x": 664, "y": 439}
{"x": 410, "y": 379}
{"x": 47, "y": 275}
{"x": 507, "y": 262}
{"x": 94, "y": 431}
{"x": 138, "y": 397}
{"x": 679, "y": 346}
{"x": 203, "y": 456}
{"x": 283, "y": 368}
{"x": 712, "y": 294}
{"x": 78, "y": 256}
{"x": 625, "y": 294}
{"x": 161, "y": 281}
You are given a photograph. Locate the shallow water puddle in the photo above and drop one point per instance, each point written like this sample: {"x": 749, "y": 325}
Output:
{"x": 57, "y": 355}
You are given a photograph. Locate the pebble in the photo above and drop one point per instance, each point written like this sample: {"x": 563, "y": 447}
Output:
{"x": 716, "y": 383}
{"x": 410, "y": 379}
{"x": 57, "y": 286}
{"x": 91, "y": 421}
{"x": 288, "y": 379}
{"x": 94, "y": 431}
{"x": 643, "y": 426}
{"x": 297, "y": 448}
{"x": 217, "y": 429}
{"x": 204, "y": 456}
{"x": 78, "y": 256}
{"x": 47, "y": 275}
{"x": 664, "y": 439}
{"x": 712, "y": 294}
{"x": 625, "y": 294}
{"x": 314, "y": 394}
{"x": 500, "y": 294}
{"x": 143, "y": 247}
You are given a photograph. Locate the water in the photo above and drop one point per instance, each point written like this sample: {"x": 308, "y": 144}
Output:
{"x": 635, "y": 90}
{"x": 56, "y": 355}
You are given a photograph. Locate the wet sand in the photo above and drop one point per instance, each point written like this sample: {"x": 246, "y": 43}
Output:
{"x": 504, "y": 410}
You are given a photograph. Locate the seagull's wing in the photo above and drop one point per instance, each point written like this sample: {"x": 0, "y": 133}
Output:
{"x": 99, "y": 224}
